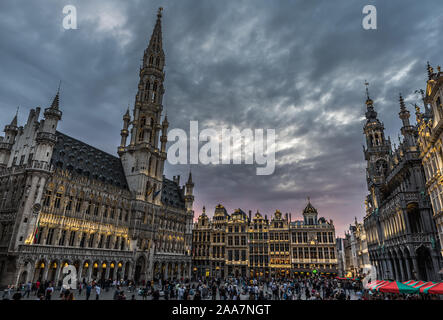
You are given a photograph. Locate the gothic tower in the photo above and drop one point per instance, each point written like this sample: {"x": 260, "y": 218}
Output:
{"x": 143, "y": 159}
{"x": 377, "y": 151}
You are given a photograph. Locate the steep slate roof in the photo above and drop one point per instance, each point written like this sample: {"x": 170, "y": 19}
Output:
{"x": 79, "y": 157}
{"x": 172, "y": 194}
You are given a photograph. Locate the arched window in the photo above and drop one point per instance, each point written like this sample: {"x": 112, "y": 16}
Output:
{"x": 151, "y": 60}
{"x": 157, "y": 61}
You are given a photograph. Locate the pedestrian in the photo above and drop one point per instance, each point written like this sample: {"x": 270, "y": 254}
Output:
{"x": 97, "y": 292}
{"x": 88, "y": 291}
{"x": 28, "y": 289}
{"x": 49, "y": 291}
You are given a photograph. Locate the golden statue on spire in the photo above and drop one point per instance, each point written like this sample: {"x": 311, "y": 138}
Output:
{"x": 159, "y": 12}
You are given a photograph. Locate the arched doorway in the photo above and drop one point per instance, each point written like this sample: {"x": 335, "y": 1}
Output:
{"x": 23, "y": 277}
{"x": 139, "y": 267}
{"x": 39, "y": 271}
{"x": 95, "y": 270}
{"x": 424, "y": 260}
{"x": 52, "y": 270}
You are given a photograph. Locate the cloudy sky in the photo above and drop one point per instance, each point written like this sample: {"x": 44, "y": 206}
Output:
{"x": 298, "y": 67}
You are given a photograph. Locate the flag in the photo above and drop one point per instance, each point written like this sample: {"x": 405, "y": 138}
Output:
{"x": 36, "y": 235}
{"x": 156, "y": 194}
{"x": 150, "y": 191}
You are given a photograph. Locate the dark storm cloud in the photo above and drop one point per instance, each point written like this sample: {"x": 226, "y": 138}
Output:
{"x": 294, "y": 66}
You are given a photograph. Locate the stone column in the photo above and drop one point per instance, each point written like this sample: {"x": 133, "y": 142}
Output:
{"x": 89, "y": 273}
{"x": 415, "y": 271}
{"x": 408, "y": 270}
{"x": 122, "y": 275}
{"x": 397, "y": 274}
{"x": 108, "y": 269}
{"x": 402, "y": 272}
{"x": 390, "y": 272}
{"x": 45, "y": 272}
{"x": 80, "y": 271}
{"x": 57, "y": 273}
{"x": 114, "y": 273}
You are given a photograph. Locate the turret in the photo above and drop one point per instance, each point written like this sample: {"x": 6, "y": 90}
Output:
{"x": 124, "y": 132}
{"x": 189, "y": 195}
{"x": 46, "y": 137}
{"x": 6, "y": 144}
{"x": 407, "y": 130}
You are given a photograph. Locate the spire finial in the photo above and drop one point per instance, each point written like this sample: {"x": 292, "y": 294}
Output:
{"x": 59, "y": 84}
{"x": 402, "y": 103}
{"x": 190, "y": 176}
{"x": 367, "y": 88}
{"x": 15, "y": 121}
{"x": 159, "y": 12}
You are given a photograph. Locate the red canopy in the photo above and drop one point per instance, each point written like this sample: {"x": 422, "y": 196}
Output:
{"x": 437, "y": 289}
{"x": 424, "y": 288}
{"x": 397, "y": 287}
{"x": 377, "y": 284}
{"x": 418, "y": 284}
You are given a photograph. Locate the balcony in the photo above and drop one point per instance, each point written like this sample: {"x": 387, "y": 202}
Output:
{"x": 88, "y": 253}
{"x": 5, "y": 146}
{"x": 46, "y": 137}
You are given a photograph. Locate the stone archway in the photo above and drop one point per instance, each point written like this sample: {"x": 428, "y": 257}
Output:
{"x": 424, "y": 261}
{"x": 139, "y": 269}
{"x": 52, "y": 273}
{"x": 39, "y": 270}
{"x": 23, "y": 277}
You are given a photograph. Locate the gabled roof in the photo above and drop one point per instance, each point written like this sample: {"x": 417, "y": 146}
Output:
{"x": 172, "y": 194}
{"x": 78, "y": 157}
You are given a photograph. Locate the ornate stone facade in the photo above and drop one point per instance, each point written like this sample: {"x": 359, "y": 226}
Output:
{"x": 65, "y": 202}
{"x": 313, "y": 244}
{"x": 430, "y": 129}
{"x": 242, "y": 245}
{"x": 400, "y": 231}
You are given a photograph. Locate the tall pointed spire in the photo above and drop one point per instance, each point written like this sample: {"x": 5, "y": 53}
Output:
{"x": 56, "y": 101}
{"x": 14, "y": 121}
{"x": 154, "y": 55}
{"x": 371, "y": 114}
{"x": 402, "y": 103}
{"x": 404, "y": 113}
{"x": 190, "y": 177}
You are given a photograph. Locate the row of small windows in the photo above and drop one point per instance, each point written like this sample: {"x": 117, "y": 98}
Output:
{"x": 46, "y": 236}
{"x": 322, "y": 237}
{"x": 313, "y": 253}
{"x": 278, "y": 236}
{"x": 91, "y": 207}
{"x": 236, "y": 240}
{"x": 237, "y": 255}
{"x": 278, "y": 247}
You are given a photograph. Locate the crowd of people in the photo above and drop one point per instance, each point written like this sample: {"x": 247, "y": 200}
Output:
{"x": 318, "y": 288}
